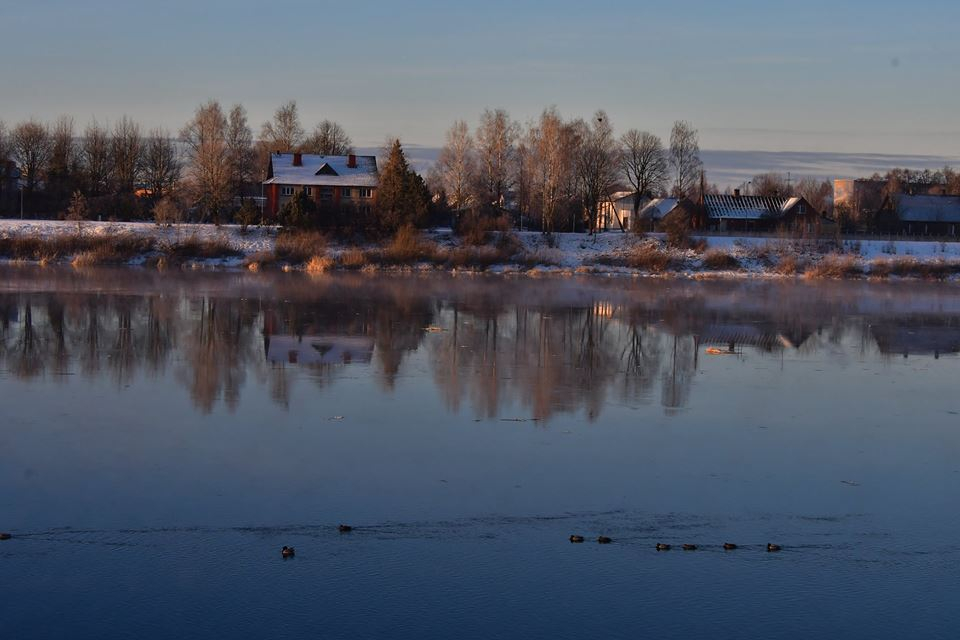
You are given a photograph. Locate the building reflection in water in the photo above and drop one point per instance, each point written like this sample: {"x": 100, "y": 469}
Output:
{"x": 545, "y": 347}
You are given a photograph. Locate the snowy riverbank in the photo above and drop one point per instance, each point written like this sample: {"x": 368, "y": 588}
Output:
{"x": 609, "y": 253}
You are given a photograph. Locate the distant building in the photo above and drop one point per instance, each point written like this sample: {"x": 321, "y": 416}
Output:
{"x": 333, "y": 182}
{"x": 920, "y": 215}
{"x": 864, "y": 197}
{"x": 617, "y": 210}
{"x": 760, "y": 213}
{"x": 660, "y": 210}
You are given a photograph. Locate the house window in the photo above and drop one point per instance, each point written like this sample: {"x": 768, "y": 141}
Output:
{"x": 345, "y": 192}
{"x": 286, "y": 191}
{"x": 365, "y": 192}
{"x": 308, "y": 191}
{"x": 326, "y": 193}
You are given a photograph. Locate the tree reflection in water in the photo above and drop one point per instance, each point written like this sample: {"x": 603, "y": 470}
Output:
{"x": 543, "y": 346}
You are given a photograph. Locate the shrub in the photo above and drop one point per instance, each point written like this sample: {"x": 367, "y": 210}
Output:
{"x": 720, "y": 260}
{"x": 788, "y": 265}
{"x": 247, "y": 215}
{"x": 352, "y": 259}
{"x": 835, "y": 266}
{"x": 319, "y": 264}
{"x": 477, "y": 229}
{"x": 647, "y": 257}
{"x": 260, "y": 260}
{"x": 166, "y": 212}
{"x": 299, "y": 246}
{"x": 408, "y": 247}
{"x": 196, "y": 249}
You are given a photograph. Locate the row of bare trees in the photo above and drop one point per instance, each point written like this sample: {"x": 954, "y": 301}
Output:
{"x": 558, "y": 172}
{"x": 214, "y": 159}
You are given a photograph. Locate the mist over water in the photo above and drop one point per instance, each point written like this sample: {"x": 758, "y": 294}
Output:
{"x": 164, "y": 435}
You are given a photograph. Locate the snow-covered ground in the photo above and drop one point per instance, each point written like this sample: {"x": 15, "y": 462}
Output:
{"x": 566, "y": 252}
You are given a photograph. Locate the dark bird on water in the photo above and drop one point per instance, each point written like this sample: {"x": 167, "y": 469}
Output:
{"x": 773, "y": 547}
{"x": 689, "y": 547}
{"x": 576, "y": 538}
{"x": 604, "y": 540}
{"x": 287, "y": 552}
{"x": 729, "y": 546}
{"x": 344, "y": 528}
{"x": 663, "y": 547}
{"x": 5, "y": 536}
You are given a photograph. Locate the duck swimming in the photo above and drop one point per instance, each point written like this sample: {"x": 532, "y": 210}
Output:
{"x": 689, "y": 547}
{"x": 576, "y": 538}
{"x": 773, "y": 547}
{"x": 5, "y": 536}
{"x": 344, "y": 528}
{"x": 604, "y": 540}
{"x": 663, "y": 547}
{"x": 287, "y": 552}
{"x": 729, "y": 546}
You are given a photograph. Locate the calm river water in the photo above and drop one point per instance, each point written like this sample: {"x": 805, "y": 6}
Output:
{"x": 163, "y": 435}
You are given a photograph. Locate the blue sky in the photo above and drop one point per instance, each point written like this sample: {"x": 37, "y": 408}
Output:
{"x": 801, "y": 76}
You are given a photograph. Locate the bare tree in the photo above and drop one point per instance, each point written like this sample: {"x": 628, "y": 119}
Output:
{"x": 496, "y": 146}
{"x": 645, "y": 165}
{"x": 78, "y": 211}
{"x": 552, "y": 143}
{"x": 597, "y": 165}
{"x": 166, "y": 212}
{"x": 126, "y": 145}
{"x": 819, "y": 193}
{"x": 205, "y": 138}
{"x": 4, "y": 142}
{"x": 161, "y": 166}
{"x": 95, "y": 157}
{"x": 63, "y": 153}
{"x": 769, "y": 185}
{"x": 684, "y": 157}
{"x": 240, "y": 149}
{"x": 285, "y": 132}
{"x": 456, "y": 165}
{"x": 328, "y": 139}
{"x": 31, "y": 146}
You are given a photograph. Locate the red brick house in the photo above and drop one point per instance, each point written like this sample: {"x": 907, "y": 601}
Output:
{"x": 333, "y": 182}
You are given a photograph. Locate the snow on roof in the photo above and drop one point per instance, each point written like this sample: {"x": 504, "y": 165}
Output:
{"x": 334, "y": 171}
{"x": 658, "y": 208}
{"x": 928, "y": 208}
{"x": 747, "y": 207}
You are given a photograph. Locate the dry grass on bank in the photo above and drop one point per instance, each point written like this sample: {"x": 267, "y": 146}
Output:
{"x": 645, "y": 257}
{"x": 835, "y": 266}
{"x": 720, "y": 260}
{"x": 300, "y": 247}
{"x": 907, "y": 267}
{"x": 197, "y": 249}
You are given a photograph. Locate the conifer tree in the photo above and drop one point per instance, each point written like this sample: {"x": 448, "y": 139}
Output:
{"x": 402, "y": 196}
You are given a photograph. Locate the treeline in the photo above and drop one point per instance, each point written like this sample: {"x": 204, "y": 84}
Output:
{"x": 557, "y": 173}
{"x": 204, "y": 172}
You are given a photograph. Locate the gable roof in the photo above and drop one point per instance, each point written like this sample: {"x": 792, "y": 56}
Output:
{"x": 748, "y": 207}
{"x": 928, "y": 208}
{"x": 320, "y": 170}
{"x": 658, "y": 208}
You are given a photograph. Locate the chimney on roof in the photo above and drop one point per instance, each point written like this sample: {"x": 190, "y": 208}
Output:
{"x": 351, "y": 161}
{"x": 298, "y": 159}
{"x": 736, "y": 193}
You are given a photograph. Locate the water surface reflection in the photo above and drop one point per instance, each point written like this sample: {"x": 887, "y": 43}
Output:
{"x": 547, "y": 346}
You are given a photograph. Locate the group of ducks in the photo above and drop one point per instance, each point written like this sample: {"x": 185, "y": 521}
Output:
{"x": 728, "y": 546}
{"x": 289, "y": 552}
